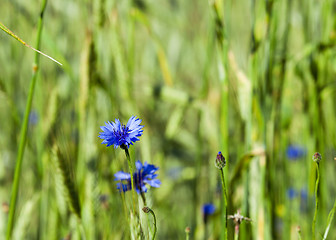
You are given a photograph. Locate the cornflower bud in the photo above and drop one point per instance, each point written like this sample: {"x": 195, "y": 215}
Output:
{"x": 220, "y": 161}
{"x": 317, "y": 157}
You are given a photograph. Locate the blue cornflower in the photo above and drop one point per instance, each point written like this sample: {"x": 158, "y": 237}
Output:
{"x": 208, "y": 209}
{"x": 119, "y": 135}
{"x": 144, "y": 174}
{"x": 291, "y": 193}
{"x": 294, "y": 152}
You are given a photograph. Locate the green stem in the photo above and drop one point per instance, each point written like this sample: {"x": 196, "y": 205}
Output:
{"x": 148, "y": 210}
{"x": 299, "y": 233}
{"x": 187, "y": 234}
{"x": 316, "y": 201}
{"x": 130, "y": 165}
{"x": 236, "y": 236}
{"x": 143, "y": 198}
{"x": 24, "y": 128}
{"x": 225, "y": 203}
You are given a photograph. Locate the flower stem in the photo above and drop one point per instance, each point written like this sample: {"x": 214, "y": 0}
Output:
{"x": 225, "y": 203}
{"x": 24, "y": 128}
{"x": 143, "y": 198}
{"x": 130, "y": 165}
{"x": 236, "y": 236}
{"x": 187, "y": 231}
{"x": 299, "y": 233}
{"x": 148, "y": 210}
{"x": 316, "y": 201}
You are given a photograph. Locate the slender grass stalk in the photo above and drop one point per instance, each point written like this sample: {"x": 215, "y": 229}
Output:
{"x": 225, "y": 203}
{"x": 24, "y": 128}
{"x": 9, "y": 32}
{"x": 316, "y": 200}
{"x": 148, "y": 210}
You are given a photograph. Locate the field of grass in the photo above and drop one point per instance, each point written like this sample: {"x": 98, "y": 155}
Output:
{"x": 255, "y": 80}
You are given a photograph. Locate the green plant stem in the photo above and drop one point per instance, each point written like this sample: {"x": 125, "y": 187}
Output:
{"x": 143, "y": 198}
{"x": 236, "y": 236}
{"x": 316, "y": 201}
{"x": 330, "y": 218}
{"x": 187, "y": 235}
{"x": 148, "y": 210}
{"x": 299, "y": 233}
{"x": 24, "y": 128}
{"x": 130, "y": 165}
{"x": 225, "y": 203}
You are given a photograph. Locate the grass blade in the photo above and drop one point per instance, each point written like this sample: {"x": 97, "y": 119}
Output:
{"x": 330, "y": 218}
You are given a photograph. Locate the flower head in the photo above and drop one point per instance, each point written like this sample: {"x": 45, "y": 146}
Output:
{"x": 294, "y": 152}
{"x": 145, "y": 173}
{"x": 119, "y": 135}
{"x": 291, "y": 193}
{"x": 238, "y": 218}
{"x": 220, "y": 161}
{"x": 208, "y": 209}
{"x": 317, "y": 157}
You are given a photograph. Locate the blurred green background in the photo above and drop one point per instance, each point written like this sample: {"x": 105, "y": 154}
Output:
{"x": 253, "y": 79}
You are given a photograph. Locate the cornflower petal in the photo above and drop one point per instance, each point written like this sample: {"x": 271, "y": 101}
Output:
{"x": 121, "y": 176}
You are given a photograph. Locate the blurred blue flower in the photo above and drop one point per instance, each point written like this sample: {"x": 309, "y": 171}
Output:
{"x": 294, "y": 152}
{"x": 208, "y": 209}
{"x": 291, "y": 193}
{"x": 144, "y": 174}
{"x": 119, "y": 135}
{"x": 304, "y": 194}
{"x": 33, "y": 117}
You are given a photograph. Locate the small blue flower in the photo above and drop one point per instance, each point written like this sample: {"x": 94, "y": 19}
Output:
{"x": 295, "y": 152}
{"x": 119, "y": 135}
{"x": 208, "y": 209}
{"x": 144, "y": 174}
{"x": 291, "y": 193}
